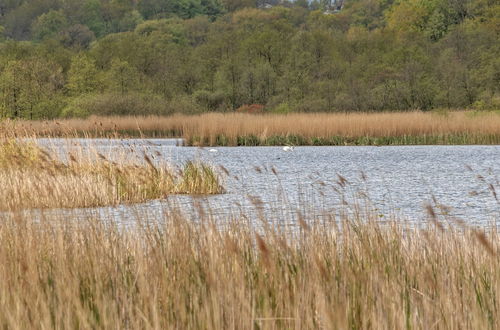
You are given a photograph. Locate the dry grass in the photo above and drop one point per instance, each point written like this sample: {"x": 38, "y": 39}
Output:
{"x": 171, "y": 273}
{"x": 219, "y": 128}
{"x": 353, "y": 273}
{"x": 33, "y": 178}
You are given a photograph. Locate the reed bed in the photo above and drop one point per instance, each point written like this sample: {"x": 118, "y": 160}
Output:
{"x": 31, "y": 177}
{"x": 306, "y": 129}
{"x": 348, "y": 273}
{"x": 164, "y": 271}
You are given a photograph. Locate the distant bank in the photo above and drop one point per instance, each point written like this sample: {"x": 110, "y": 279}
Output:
{"x": 233, "y": 129}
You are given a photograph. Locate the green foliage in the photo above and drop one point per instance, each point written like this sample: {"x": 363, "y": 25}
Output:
{"x": 116, "y": 104}
{"x": 77, "y": 37}
{"x": 182, "y": 8}
{"x": 49, "y": 24}
{"x": 83, "y": 76}
{"x": 130, "y": 21}
{"x": 210, "y": 101}
{"x": 30, "y": 89}
{"x": 2, "y": 33}
{"x": 183, "y": 104}
{"x": 282, "y": 108}
{"x": 188, "y": 56}
{"x": 93, "y": 18}
{"x": 76, "y": 108}
{"x": 122, "y": 77}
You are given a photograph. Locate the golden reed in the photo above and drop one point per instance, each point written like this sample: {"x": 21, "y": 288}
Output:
{"x": 208, "y": 127}
{"x": 176, "y": 274}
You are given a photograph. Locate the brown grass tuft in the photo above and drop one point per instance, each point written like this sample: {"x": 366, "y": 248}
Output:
{"x": 32, "y": 178}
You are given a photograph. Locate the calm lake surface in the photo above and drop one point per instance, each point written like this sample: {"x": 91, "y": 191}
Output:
{"x": 314, "y": 181}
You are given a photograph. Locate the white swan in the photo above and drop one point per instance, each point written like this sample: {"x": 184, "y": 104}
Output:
{"x": 213, "y": 150}
{"x": 288, "y": 148}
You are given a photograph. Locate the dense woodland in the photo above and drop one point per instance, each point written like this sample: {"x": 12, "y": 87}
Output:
{"x": 64, "y": 58}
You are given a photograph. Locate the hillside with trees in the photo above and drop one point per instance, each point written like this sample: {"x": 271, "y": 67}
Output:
{"x": 74, "y": 58}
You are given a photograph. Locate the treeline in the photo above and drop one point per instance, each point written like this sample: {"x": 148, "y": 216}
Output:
{"x": 111, "y": 57}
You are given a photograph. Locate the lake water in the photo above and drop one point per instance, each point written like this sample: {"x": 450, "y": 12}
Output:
{"x": 315, "y": 181}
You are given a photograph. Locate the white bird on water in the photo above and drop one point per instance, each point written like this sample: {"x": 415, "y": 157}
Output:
{"x": 213, "y": 150}
{"x": 288, "y": 148}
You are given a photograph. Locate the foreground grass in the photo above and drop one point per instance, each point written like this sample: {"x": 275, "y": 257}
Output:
{"x": 298, "y": 129}
{"x": 168, "y": 272}
{"x": 353, "y": 273}
{"x": 33, "y": 178}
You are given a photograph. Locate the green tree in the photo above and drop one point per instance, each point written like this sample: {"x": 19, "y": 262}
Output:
{"x": 129, "y": 21}
{"x": 30, "y": 88}
{"x": 234, "y": 5}
{"x": 77, "y": 36}
{"x": 228, "y": 78}
{"x": 11, "y": 86}
{"x": 122, "y": 77}
{"x": 19, "y": 18}
{"x": 48, "y": 25}
{"x": 83, "y": 76}
{"x": 93, "y": 18}
{"x": 2, "y": 33}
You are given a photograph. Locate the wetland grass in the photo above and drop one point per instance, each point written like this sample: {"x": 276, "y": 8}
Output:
{"x": 31, "y": 177}
{"x": 198, "y": 177}
{"x": 233, "y": 129}
{"x": 344, "y": 270}
{"x": 176, "y": 274}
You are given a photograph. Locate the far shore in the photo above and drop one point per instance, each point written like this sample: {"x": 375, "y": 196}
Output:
{"x": 237, "y": 129}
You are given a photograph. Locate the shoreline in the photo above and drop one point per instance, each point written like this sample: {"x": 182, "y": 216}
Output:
{"x": 299, "y": 141}
{"x": 298, "y": 129}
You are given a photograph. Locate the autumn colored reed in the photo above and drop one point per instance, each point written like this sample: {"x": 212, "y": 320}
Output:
{"x": 31, "y": 177}
{"x": 310, "y": 129}
{"x": 171, "y": 273}
{"x": 162, "y": 270}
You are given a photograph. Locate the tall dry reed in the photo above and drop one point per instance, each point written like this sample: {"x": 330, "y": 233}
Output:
{"x": 31, "y": 177}
{"x": 176, "y": 274}
{"x": 216, "y": 128}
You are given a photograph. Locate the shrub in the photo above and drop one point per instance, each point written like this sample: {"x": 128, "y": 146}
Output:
{"x": 282, "y": 108}
{"x": 76, "y": 108}
{"x": 111, "y": 104}
{"x": 487, "y": 103}
{"x": 312, "y": 105}
{"x": 183, "y": 104}
{"x": 210, "y": 100}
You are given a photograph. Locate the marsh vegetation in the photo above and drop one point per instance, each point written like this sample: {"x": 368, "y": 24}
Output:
{"x": 347, "y": 269}
{"x": 247, "y": 73}
{"x": 170, "y": 272}
{"x": 403, "y": 128}
{"x": 34, "y": 178}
